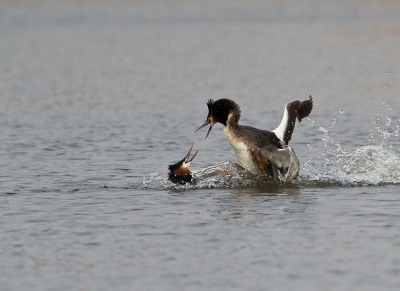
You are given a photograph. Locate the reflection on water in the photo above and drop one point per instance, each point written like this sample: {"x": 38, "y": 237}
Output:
{"x": 257, "y": 204}
{"x": 271, "y": 189}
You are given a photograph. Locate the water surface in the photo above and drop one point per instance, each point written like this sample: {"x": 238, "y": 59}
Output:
{"x": 97, "y": 100}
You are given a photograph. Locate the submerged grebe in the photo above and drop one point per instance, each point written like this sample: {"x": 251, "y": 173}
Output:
{"x": 179, "y": 172}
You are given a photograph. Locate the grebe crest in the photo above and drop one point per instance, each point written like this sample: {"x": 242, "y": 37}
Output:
{"x": 222, "y": 111}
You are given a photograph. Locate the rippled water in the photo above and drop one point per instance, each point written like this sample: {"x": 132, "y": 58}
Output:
{"x": 97, "y": 99}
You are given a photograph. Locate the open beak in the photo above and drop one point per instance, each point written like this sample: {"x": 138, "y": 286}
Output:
{"x": 208, "y": 121}
{"x": 188, "y": 159}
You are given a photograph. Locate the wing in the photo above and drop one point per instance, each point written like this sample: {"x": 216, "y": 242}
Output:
{"x": 294, "y": 113}
{"x": 282, "y": 160}
{"x": 276, "y": 162}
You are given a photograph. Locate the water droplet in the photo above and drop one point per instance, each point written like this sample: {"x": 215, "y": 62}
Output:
{"x": 385, "y": 73}
{"x": 322, "y": 129}
{"x": 341, "y": 111}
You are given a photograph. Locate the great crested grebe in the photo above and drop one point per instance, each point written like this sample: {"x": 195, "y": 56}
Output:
{"x": 260, "y": 151}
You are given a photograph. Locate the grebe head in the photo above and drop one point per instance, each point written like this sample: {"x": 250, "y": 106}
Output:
{"x": 220, "y": 111}
{"x": 179, "y": 172}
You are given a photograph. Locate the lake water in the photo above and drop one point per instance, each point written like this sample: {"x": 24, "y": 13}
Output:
{"x": 98, "y": 98}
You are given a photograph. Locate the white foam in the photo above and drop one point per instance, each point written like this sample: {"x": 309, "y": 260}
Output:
{"x": 366, "y": 165}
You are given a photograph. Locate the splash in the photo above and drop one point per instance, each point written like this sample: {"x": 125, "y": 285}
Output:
{"x": 369, "y": 165}
{"x": 225, "y": 175}
{"x": 364, "y": 165}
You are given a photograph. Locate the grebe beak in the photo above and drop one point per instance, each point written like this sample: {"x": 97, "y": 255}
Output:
{"x": 188, "y": 159}
{"x": 208, "y": 121}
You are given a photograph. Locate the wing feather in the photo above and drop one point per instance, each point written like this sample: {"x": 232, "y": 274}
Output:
{"x": 293, "y": 114}
{"x": 283, "y": 159}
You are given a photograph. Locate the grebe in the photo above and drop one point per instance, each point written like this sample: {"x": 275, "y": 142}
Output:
{"x": 257, "y": 150}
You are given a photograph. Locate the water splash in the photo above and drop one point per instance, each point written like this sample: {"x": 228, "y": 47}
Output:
{"x": 370, "y": 164}
{"x": 225, "y": 175}
{"x": 366, "y": 165}
{"x": 156, "y": 181}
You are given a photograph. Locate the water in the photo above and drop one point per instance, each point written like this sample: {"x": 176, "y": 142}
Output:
{"x": 98, "y": 99}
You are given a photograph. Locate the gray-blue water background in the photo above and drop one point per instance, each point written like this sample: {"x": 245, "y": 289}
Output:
{"x": 98, "y": 97}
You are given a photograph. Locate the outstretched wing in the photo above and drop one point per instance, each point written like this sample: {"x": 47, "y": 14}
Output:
{"x": 293, "y": 114}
